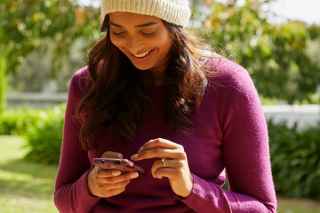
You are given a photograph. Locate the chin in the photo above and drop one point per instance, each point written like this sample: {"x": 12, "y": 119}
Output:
{"x": 143, "y": 67}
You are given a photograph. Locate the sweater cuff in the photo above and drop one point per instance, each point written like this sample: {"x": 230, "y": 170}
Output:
{"x": 193, "y": 197}
{"x": 205, "y": 196}
{"x": 84, "y": 193}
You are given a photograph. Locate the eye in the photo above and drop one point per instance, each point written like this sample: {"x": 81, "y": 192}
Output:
{"x": 118, "y": 33}
{"x": 148, "y": 33}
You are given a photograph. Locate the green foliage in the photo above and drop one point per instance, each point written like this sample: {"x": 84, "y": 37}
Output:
{"x": 16, "y": 122}
{"x": 26, "y": 25}
{"x": 295, "y": 160}
{"x": 42, "y": 130}
{"x": 314, "y": 31}
{"x": 45, "y": 136}
{"x": 275, "y": 55}
{"x": 2, "y": 83}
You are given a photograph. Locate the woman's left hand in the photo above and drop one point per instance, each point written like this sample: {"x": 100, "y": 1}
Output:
{"x": 173, "y": 164}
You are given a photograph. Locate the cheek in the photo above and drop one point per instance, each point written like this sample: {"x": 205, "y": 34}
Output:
{"x": 118, "y": 43}
{"x": 164, "y": 44}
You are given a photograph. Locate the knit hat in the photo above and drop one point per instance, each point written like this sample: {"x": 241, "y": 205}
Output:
{"x": 173, "y": 11}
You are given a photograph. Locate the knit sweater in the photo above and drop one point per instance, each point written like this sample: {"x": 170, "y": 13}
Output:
{"x": 229, "y": 137}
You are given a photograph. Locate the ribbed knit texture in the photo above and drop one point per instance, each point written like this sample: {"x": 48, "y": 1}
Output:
{"x": 173, "y": 11}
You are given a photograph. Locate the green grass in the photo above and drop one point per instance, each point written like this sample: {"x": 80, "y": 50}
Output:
{"x": 24, "y": 186}
{"x": 27, "y": 187}
{"x": 298, "y": 206}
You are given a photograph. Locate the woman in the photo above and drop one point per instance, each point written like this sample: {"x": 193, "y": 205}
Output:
{"x": 151, "y": 95}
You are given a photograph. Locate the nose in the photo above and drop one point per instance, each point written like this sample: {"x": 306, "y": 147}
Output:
{"x": 136, "y": 46}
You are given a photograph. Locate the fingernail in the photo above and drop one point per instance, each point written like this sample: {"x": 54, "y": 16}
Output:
{"x": 116, "y": 173}
{"x": 135, "y": 156}
{"x": 134, "y": 175}
{"x": 140, "y": 149}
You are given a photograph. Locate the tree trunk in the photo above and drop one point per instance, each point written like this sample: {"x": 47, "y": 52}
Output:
{"x": 3, "y": 82}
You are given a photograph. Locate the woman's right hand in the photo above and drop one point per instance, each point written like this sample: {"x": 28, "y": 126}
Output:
{"x": 109, "y": 182}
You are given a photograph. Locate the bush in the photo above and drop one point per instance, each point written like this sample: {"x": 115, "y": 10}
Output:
{"x": 16, "y": 122}
{"x": 295, "y": 160}
{"x": 43, "y": 139}
{"x": 42, "y": 130}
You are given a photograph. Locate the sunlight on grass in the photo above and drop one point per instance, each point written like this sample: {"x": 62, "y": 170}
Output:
{"x": 23, "y": 204}
{"x": 298, "y": 206}
{"x": 11, "y": 148}
{"x": 24, "y": 186}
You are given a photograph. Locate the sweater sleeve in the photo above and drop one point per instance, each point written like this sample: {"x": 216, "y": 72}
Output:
{"x": 246, "y": 157}
{"x": 71, "y": 189}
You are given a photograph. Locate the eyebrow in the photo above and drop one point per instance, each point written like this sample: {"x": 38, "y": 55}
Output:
{"x": 137, "y": 26}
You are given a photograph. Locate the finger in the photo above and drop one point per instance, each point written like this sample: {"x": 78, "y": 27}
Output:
{"x": 160, "y": 153}
{"x": 161, "y": 143}
{"x": 109, "y": 166}
{"x": 171, "y": 173}
{"x": 102, "y": 183}
{"x": 114, "y": 192}
{"x": 110, "y": 154}
{"x": 105, "y": 173}
{"x": 170, "y": 164}
{"x": 121, "y": 178}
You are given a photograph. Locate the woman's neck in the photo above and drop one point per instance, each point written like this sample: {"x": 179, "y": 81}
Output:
{"x": 158, "y": 74}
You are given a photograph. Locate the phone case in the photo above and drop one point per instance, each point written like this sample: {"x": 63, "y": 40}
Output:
{"x": 124, "y": 165}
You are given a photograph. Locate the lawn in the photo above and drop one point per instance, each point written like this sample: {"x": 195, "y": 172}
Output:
{"x": 24, "y": 186}
{"x": 27, "y": 187}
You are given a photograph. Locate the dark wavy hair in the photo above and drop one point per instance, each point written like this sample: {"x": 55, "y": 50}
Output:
{"x": 117, "y": 95}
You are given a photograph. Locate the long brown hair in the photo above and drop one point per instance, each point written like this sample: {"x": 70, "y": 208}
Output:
{"x": 117, "y": 94}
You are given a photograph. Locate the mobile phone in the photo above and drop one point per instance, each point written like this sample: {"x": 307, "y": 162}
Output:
{"x": 124, "y": 165}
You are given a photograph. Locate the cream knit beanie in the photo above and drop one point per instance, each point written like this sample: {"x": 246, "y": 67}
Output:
{"x": 173, "y": 11}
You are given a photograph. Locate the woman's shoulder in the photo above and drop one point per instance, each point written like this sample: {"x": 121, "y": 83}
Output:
{"x": 228, "y": 75}
{"x": 80, "y": 80}
{"x": 81, "y": 74}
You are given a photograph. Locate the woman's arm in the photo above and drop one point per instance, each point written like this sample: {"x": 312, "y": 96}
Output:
{"x": 71, "y": 189}
{"x": 245, "y": 154}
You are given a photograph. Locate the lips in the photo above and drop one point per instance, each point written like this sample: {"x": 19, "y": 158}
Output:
{"x": 143, "y": 55}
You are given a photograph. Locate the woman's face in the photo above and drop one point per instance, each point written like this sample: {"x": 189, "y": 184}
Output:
{"x": 143, "y": 39}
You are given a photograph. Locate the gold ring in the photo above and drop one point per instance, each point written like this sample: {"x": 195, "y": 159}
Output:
{"x": 164, "y": 162}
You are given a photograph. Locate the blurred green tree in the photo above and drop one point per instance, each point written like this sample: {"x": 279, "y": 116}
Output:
{"x": 26, "y": 25}
{"x": 275, "y": 55}
{"x": 3, "y": 82}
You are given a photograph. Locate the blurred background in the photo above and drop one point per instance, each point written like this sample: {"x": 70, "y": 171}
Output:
{"x": 43, "y": 42}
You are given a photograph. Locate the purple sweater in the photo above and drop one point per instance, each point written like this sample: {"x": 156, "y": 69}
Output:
{"x": 230, "y": 135}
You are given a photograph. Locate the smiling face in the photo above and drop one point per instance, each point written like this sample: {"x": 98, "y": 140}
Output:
{"x": 145, "y": 40}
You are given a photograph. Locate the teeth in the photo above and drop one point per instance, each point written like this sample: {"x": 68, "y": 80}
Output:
{"x": 143, "y": 54}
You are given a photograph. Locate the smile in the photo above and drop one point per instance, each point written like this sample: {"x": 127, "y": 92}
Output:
{"x": 142, "y": 55}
